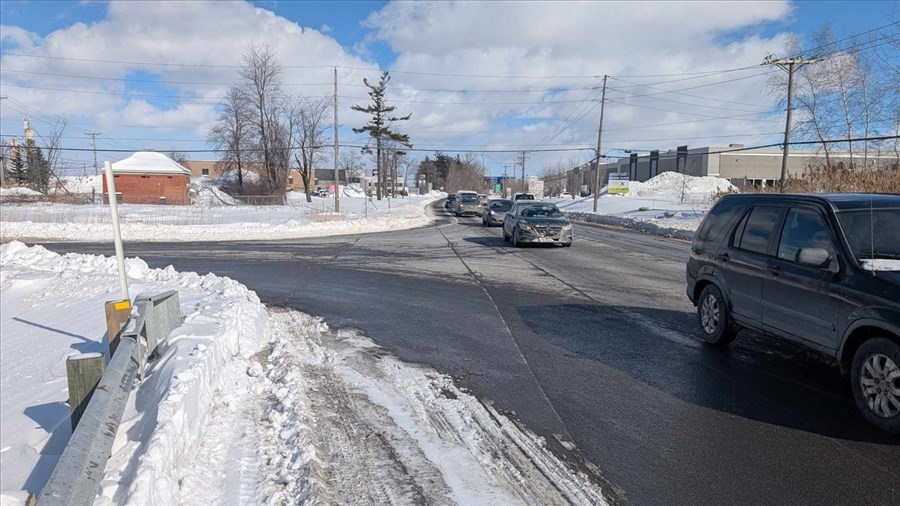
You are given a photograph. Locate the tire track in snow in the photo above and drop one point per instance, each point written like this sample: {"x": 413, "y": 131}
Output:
{"x": 350, "y": 423}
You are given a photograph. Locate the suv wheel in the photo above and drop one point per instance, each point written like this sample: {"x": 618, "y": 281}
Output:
{"x": 875, "y": 381}
{"x": 715, "y": 322}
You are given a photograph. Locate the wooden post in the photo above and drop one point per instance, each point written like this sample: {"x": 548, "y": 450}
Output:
{"x": 117, "y": 313}
{"x": 83, "y": 372}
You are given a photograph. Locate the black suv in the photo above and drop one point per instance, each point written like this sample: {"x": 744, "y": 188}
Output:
{"x": 822, "y": 270}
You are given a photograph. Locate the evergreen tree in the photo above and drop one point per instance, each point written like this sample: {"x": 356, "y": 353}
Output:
{"x": 17, "y": 166}
{"x": 379, "y": 126}
{"x": 37, "y": 168}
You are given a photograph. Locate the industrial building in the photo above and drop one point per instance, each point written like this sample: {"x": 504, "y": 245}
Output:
{"x": 736, "y": 163}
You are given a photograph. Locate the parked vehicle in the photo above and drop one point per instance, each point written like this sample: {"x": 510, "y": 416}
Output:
{"x": 523, "y": 196}
{"x": 536, "y": 222}
{"x": 494, "y": 211}
{"x": 467, "y": 203}
{"x": 820, "y": 270}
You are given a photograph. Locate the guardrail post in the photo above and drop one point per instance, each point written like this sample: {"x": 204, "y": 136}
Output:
{"x": 117, "y": 313}
{"x": 83, "y": 373}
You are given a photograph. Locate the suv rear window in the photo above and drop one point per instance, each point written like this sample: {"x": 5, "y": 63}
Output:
{"x": 719, "y": 217}
{"x": 756, "y": 228}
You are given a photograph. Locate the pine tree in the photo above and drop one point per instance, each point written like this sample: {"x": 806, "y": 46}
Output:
{"x": 17, "y": 169}
{"x": 379, "y": 126}
{"x": 37, "y": 167}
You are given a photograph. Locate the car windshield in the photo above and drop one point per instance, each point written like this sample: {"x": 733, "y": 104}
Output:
{"x": 541, "y": 210}
{"x": 501, "y": 206}
{"x": 872, "y": 233}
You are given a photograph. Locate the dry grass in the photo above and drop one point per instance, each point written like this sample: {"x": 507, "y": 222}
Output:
{"x": 837, "y": 180}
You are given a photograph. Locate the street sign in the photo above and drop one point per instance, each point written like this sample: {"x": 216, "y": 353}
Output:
{"x": 618, "y": 183}
{"x": 536, "y": 188}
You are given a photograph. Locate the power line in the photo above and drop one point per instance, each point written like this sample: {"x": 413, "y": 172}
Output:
{"x": 668, "y": 100}
{"x": 691, "y": 113}
{"x": 557, "y": 89}
{"x": 438, "y": 148}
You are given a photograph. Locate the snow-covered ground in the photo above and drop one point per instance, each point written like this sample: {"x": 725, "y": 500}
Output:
{"x": 52, "y": 307}
{"x": 670, "y": 204}
{"x": 214, "y": 220}
{"x": 248, "y": 406}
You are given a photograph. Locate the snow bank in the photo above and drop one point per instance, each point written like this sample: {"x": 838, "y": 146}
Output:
{"x": 670, "y": 205}
{"x": 150, "y": 223}
{"x": 639, "y": 225}
{"x": 675, "y": 185}
{"x": 52, "y": 308}
{"x": 19, "y": 191}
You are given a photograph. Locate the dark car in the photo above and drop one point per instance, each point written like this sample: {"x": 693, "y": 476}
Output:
{"x": 494, "y": 212}
{"x": 536, "y": 222}
{"x": 450, "y": 203}
{"x": 523, "y": 196}
{"x": 821, "y": 270}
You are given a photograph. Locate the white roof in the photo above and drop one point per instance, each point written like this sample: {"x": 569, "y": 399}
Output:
{"x": 149, "y": 162}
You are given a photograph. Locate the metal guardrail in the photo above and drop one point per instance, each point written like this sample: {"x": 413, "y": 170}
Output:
{"x": 76, "y": 476}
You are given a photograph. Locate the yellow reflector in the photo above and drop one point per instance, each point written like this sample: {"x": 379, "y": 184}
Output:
{"x": 125, "y": 304}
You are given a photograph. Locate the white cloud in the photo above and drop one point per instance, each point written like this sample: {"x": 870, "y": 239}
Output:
{"x": 555, "y": 39}
{"x": 579, "y": 39}
{"x": 199, "y": 42}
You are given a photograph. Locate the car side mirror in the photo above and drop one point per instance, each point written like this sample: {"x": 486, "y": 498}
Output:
{"x": 814, "y": 257}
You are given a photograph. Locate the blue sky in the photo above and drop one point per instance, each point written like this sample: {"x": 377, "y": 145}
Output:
{"x": 501, "y": 38}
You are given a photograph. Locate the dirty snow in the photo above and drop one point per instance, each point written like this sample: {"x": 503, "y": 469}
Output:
{"x": 245, "y": 406}
{"x": 149, "y": 223}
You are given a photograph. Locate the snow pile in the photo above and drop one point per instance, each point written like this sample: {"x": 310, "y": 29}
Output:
{"x": 679, "y": 187}
{"x": 19, "y": 191}
{"x": 82, "y": 184}
{"x": 148, "y": 223}
{"x": 353, "y": 191}
{"x": 52, "y": 307}
{"x": 209, "y": 195}
{"x": 671, "y": 204}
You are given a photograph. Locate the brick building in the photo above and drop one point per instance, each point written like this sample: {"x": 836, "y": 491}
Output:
{"x": 148, "y": 177}
{"x": 214, "y": 169}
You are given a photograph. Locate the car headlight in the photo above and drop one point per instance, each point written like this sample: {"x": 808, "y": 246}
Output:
{"x": 567, "y": 227}
{"x": 525, "y": 227}
{"x": 493, "y": 212}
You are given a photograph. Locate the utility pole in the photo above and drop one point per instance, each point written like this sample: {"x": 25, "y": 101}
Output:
{"x": 524, "y": 185}
{"x": 337, "y": 177}
{"x": 596, "y": 187}
{"x": 789, "y": 65}
{"x": 94, "y": 143}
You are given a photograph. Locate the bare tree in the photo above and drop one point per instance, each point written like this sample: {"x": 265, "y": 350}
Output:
{"x": 380, "y": 125}
{"x": 309, "y": 138}
{"x": 260, "y": 75}
{"x": 351, "y": 163}
{"x": 232, "y": 133}
{"x": 850, "y": 92}
{"x": 179, "y": 156}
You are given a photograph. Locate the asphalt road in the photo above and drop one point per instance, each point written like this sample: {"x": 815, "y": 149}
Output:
{"x": 591, "y": 345}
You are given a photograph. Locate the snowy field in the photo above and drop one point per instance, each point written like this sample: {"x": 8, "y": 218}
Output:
{"x": 217, "y": 220}
{"x": 670, "y": 204}
{"x": 251, "y": 406}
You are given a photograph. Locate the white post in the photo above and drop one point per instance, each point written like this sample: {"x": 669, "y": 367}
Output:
{"x": 117, "y": 234}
